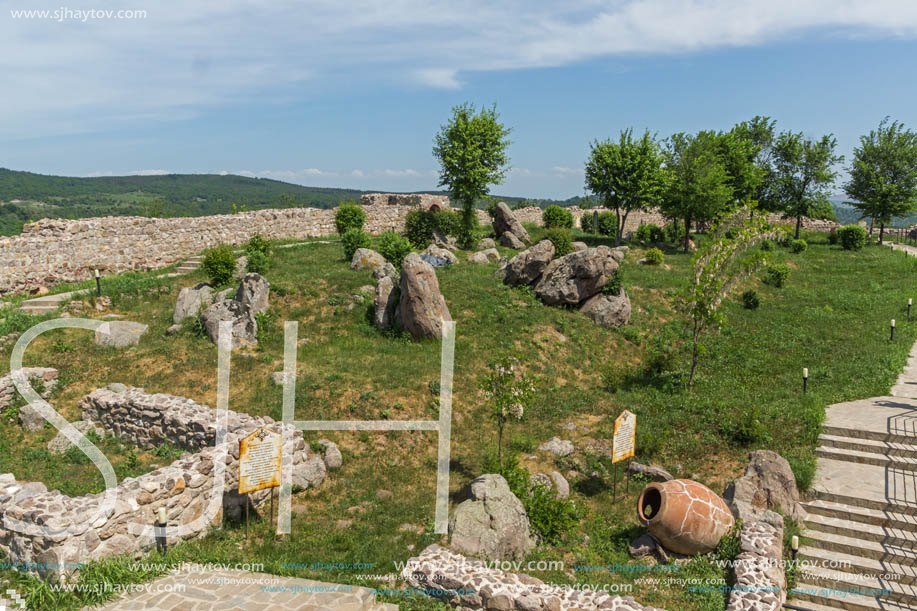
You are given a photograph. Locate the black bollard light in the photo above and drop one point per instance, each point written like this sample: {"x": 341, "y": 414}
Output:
{"x": 909, "y": 303}
{"x": 893, "y": 330}
{"x": 805, "y": 379}
{"x": 794, "y": 545}
{"x": 160, "y": 528}
{"x": 98, "y": 284}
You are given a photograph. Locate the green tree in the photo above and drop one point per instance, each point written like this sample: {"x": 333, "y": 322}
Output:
{"x": 759, "y": 131}
{"x": 626, "y": 175}
{"x": 719, "y": 265}
{"x": 883, "y": 176}
{"x": 803, "y": 173}
{"x": 471, "y": 150}
{"x": 699, "y": 188}
{"x": 738, "y": 154}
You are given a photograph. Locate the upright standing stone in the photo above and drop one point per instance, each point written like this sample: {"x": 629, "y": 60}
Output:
{"x": 421, "y": 308}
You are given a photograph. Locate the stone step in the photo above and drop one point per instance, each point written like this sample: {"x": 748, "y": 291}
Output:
{"x": 863, "y": 485}
{"x": 905, "y": 463}
{"x": 184, "y": 269}
{"x": 861, "y": 547}
{"x": 892, "y": 419}
{"x": 37, "y": 310}
{"x": 806, "y": 595}
{"x": 904, "y": 538}
{"x": 905, "y": 574}
{"x": 865, "y": 585}
{"x": 863, "y": 515}
{"x": 884, "y": 448}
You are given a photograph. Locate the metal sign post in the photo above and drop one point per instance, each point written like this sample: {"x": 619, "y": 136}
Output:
{"x": 623, "y": 445}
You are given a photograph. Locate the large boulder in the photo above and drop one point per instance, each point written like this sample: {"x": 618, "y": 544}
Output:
{"x": 191, "y": 300}
{"x": 421, "y": 307}
{"x": 505, "y": 220}
{"x": 253, "y": 292}
{"x": 244, "y": 326}
{"x": 120, "y": 333}
{"x": 485, "y": 256}
{"x": 510, "y": 240}
{"x": 608, "y": 310}
{"x": 485, "y": 243}
{"x": 528, "y": 265}
{"x": 310, "y": 472}
{"x": 436, "y": 251}
{"x": 385, "y": 302}
{"x": 366, "y": 259}
{"x": 576, "y": 277}
{"x": 768, "y": 485}
{"x": 491, "y": 522}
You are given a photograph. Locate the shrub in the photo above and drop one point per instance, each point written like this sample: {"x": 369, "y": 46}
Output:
{"x": 418, "y": 228}
{"x": 555, "y": 216}
{"x": 750, "y": 300}
{"x": 654, "y": 256}
{"x": 257, "y": 243}
{"x": 767, "y": 245}
{"x": 616, "y": 284}
{"x": 747, "y": 427}
{"x": 349, "y": 216}
{"x": 258, "y": 262}
{"x": 832, "y": 237}
{"x": 673, "y": 233}
{"x": 393, "y": 247}
{"x": 608, "y": 223}
{"x": 586, "y": 223}
{"x": 730, "y": 546}
{"x": 448, "y": 222}
{"x": 561, "y": 239}
{"x": 649, "y": 233}
{"x": 352, "y": 240}
{"x": 219, "y": 264}
{"x": 776, "y": 275}
{"x": 798, "y": 246}
{"x": 852, "y": 237}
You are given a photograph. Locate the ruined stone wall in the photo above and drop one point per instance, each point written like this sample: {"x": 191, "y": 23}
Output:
{"x": 183, "y": 488}
{"x": 413, "y": 200}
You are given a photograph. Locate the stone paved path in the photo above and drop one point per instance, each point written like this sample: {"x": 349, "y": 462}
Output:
{"x": 861, "y": 531}
{"x": 230, "y": 590}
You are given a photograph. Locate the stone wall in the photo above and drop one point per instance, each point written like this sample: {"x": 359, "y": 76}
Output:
{"x": 183, "y": 488}
{"x": 760, "y": 578}
{"x": 413, "y": 200}
{"x": 46, "y": 375}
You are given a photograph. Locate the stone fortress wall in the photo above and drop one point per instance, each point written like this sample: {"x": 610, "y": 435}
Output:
{"x": 55, "y": 250}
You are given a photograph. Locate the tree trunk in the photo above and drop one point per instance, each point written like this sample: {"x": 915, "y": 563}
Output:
{"x": 500, "y": 446}
{"x": 798, "y": 225}
{"x": 693, "y": 358}
{"x": 687, "y": 232}
{"x": 619, "y": 233}
{"x": 881, "y": 232}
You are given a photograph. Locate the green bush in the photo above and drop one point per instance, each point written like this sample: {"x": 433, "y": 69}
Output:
{"x": 608, "y": 223}
{"x": 561, "y": 239}
{"x": 448, "y": 222}
{"x": 649, "y": 233}
{"x": 393, "y": 247}
{"x": 257, "y": 243}
{"x": 555, "y": 216}
{"x": 349, "y": 216}
{"x": 798, "y": 246}
{"x": 852, "y": 237}
{"x": 750, "y": 300}
{"x": 654, "y": 256}
{"x": 832, "y": 237}
{"x": 776, "y": 275}
{"x": 258, "y": 262}
{"x": 767, "y": 245}
{"x": 747, "y": 426}
{"x": 352, "y": 240}
{"x": 586, "y": 224}
{"x": 616, "y": 284}
{"x": 418, "y": 228}
{"x": 549, "y": 516}
{"x": 219, "y": 264}
{"x": 673, "y": 233}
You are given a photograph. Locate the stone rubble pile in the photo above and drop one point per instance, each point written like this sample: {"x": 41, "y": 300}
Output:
{"x": 251, "y": 299}
{"x": 28, "y": 417}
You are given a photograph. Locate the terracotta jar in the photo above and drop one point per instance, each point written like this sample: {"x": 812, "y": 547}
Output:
{"x": 686, "y": 517}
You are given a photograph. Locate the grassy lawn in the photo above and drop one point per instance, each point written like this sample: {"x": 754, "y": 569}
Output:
{"x": 832, "y": 316}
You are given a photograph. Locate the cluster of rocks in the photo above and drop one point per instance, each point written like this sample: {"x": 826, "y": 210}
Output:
{"x": 57, "y": 530}
{"x": 508, "y": 229}
{"x": 409, "y": 299}
{"x": 47, "y": 379}
{"x": 8, "y": 340}
{"x": 250, "y": 299}
{"x": 468, "y": 583}
{"x": 760, "y": 578}
{"x": 576, "y": 279}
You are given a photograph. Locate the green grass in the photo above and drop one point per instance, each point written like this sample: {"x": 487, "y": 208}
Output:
{"x": 832, "y": 316}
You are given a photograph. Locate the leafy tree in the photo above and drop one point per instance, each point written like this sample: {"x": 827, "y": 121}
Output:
{"x": 738, "y": 155}
{"x": 626, "y": 175}
{"x": 719, "y": 265}
{"x": 759, "y": 131}
{"x": 471, "y": 150}
{"x": 803, "y": 173}
{"x": 699, "y": 188}
{"x": 883, "y": 177}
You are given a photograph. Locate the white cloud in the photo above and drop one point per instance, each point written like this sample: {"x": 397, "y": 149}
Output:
{"x": 148, "y": 172}
{"x": 565, "y": 171}
{"x": 357, "y": 173}
{"x": 406, "y": 172}
{"x": 120, "y": 73}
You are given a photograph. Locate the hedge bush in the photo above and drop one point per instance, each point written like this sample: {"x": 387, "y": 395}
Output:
{"x": 750, "y": 300}
{"x": 776, "y": 275}
{"x": 349, "y": 216}
{"x": 219, "y": 264}
{"x": 393, "y": 247}
{"x": 561, "y": 239}
{"x": 418, "y": 228}
{"x": 608, "y": 223}
{"x": 258, "y": 253}
{"x": 654, "y": 256}
{"x": 649, "y": 233}
{"x": 555, "y": 216}
{"x": 352, "y": 240}
{"x": 832, "y": 237}
{"x": 852, "y": 237}
{"x": 798, "y": 246}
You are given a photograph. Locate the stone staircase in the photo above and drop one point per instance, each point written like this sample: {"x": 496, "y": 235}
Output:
{"x": 189, "y": 265}
{"x": 861, "y": 531}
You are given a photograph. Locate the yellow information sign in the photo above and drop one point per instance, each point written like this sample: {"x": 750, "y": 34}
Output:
{"x": 259, "y": 461}
{"x": 625, "y": 439}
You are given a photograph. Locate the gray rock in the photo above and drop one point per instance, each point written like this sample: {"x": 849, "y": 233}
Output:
{"x": 767, "y": 484}
{"x": 528, "y": 265}
{"x": 117, "y": 387}
{"x": 580, "y": 246}
{"x": 436, "y": 261}
{"x": 484, "y": 256}
{"x": 435, "y": 251}
{"x": 576, "y": 277}
{"x": 510, "y": 240}
{"x": 333, "y": 458}
{"x": 492, "y": 522}
{"x": 241, "y": 265}
{"x": 30, "y": 419}
{"x": 505, "y": 221}
{"x": 608, "y": 310}
{"x": 651, "y": 473}
{"x": 244, "y": 326}
{"x": 485, "y": 243}
{"x": 191, "y": 300}
{"x": 173, "y": 330}
{"x": 557, "y": 446}
{"x": 253, "y": 293}
{"x": 619, "y": 252}
{"x": 385, "y": 302}
{"x": 277, "y": 378}
{"x": 28, "y": 490}
{"x": 386, "y": 270}
{"x": 311, "y": 472}
{"x": 421, "y": 307}
{"x": 648, "y": 545}
{"x": 366, "y": 259}
{"x": 120, "y": 333}
{"x": 554, "y": 481}
{"x": 61, "y": 444}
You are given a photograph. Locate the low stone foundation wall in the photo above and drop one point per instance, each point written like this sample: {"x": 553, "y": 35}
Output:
{"x": 760, "y": 578}
{"x": 58, "y": 531}
{"x": 468, "y": 583}
{"x": 46, "y": 375}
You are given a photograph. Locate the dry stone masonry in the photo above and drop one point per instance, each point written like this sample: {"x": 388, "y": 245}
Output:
{"x": 760, "y": 579}
{"x": 28, "y": 417}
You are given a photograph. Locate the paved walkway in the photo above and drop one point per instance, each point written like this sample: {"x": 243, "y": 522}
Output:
{"x": 861, "y": 531}
{"x": 241, "y": 591}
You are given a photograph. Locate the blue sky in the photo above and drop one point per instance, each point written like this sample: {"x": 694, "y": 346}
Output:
{"x": 324, "y": 94}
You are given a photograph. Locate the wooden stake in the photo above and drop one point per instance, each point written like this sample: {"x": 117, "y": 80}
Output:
{"x": 614, "y": 486}
{"x": 246, "y": 517}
